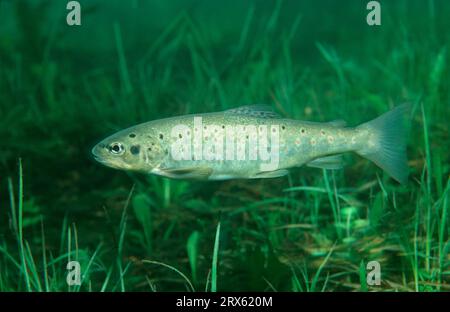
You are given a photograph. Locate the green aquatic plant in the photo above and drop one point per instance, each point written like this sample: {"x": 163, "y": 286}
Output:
{"x": 308, "y": 231}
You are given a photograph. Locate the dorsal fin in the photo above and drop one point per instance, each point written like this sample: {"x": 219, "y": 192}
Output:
{"x": 256, "y": 110}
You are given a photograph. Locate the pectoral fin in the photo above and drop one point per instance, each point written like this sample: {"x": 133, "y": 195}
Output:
{"x": 270, "y": 174}
{"x": 328, "y": 162}
{"x": 197, "y": 173}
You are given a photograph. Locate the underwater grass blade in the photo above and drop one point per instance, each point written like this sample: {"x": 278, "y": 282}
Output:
{"x": 107, "y": 278}
{"x": 215, "y": 260}
{"x": 362, "y": 276}
{"x": 44, "y": 257}
{"x": 20, "y": 229}
{"x": 192, "y": 251}
{"x": 123, "y": 68}
{"x": 173, "y": 269}
{"x": 319, "y": 270}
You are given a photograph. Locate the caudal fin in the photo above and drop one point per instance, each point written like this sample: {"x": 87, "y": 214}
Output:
{"x": 389, "y": 148}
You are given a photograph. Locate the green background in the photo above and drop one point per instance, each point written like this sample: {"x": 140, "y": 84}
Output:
{"x": 63, "y": 89}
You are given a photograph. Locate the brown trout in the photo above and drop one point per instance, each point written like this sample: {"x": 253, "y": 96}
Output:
{"x": 252, "y": 142}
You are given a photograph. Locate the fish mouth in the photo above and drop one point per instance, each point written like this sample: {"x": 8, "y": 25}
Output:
{"x": 97, "y": 157}
{"x": 97, "y": 152}
{"x": 106, "y": 162}
{"x": 100, "y": 160}
{"x": 94, "y": 151}
{"x": 109, "y": 163}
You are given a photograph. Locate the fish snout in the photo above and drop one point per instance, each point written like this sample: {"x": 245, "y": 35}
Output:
{"x": 98, "y": 152}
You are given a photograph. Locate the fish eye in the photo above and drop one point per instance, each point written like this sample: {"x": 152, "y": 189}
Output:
{"x": 116, "y": 148}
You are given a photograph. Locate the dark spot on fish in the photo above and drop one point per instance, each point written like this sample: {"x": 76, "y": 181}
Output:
{"x": 153, "y": 143}
{"x": 180, "y": 136}
{"x": 303, "y": 130}
{"x": 283, "y": 127}
{"x": 322, "y": 132}
{"x": 135, "y": 149}
{"x": 149, "y": 149}
{"x": 132, "y": 135}
{"x": 161, "y": 136}
{"x": 274, "y": 130}
{"x": 223, "y": 126}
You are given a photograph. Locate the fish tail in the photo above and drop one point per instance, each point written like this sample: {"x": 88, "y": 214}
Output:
{"x": 388, "y": 146}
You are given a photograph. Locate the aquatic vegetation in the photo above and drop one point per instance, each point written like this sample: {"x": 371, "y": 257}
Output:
{"x": 65, "y": 88}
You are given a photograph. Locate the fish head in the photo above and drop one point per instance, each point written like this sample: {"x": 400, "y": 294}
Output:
{"x": 130, "y": 149}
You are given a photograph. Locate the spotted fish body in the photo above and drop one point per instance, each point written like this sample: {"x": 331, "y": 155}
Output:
{"x": 148, "y": 147}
